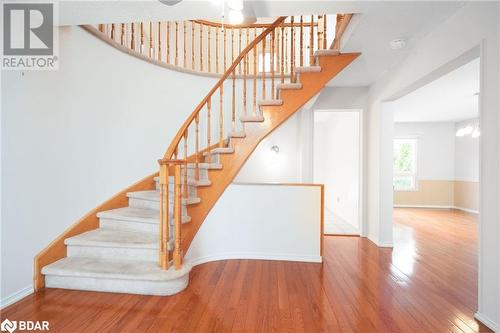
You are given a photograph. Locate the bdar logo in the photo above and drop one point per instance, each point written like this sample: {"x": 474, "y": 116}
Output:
{"x": 8, "y": 325}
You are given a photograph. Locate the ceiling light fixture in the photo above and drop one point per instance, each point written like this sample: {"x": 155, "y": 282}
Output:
{"x": 235, "y": 4}
{"x": 235, "y": 17}
{"x": 397, "y": 44}
{"x": 170, "y": 2}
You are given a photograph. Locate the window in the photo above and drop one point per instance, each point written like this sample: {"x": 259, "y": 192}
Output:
{"x": 405, "y": 164}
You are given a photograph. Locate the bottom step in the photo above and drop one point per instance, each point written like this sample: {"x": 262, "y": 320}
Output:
{"x": 117, "y": 276}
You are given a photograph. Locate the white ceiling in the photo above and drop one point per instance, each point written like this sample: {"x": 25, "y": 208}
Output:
{"x": 374, "y": 26}
{"x": 371, "y": 31}
{"x": 449, "y": 98}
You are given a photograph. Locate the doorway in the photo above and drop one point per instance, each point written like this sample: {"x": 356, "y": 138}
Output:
{"x": 336, "y": 164}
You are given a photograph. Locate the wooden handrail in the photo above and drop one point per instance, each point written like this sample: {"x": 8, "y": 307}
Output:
{"x": 244, "y": 26}
{"x": 175, "y": 142}
{"x": 342, "y": 23}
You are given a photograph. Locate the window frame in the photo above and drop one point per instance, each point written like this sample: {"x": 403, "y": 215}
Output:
{"x": 413, "y": 174}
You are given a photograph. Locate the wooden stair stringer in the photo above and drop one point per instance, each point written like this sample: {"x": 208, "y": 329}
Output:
{"x": 274, "y": 115}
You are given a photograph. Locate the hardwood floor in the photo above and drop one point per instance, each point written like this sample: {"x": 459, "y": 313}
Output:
{"x": 427, "y": 283}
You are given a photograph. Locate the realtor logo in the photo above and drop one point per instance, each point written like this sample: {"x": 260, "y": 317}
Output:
{"x": 28, "y": 36}
{"x": 8, "y": 325}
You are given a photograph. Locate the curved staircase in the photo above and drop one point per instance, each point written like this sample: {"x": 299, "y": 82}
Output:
{"x": 122, "y": 254}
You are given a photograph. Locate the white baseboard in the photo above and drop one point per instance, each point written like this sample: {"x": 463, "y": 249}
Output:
{"x": 472, "y": 211}
{"x": 423, "y": 206}
{"x": 17, "y": 296}
{"x": 256, "y": 256}
{"x": 495, "y": 327}
{"x": 379, "y": 243}
{"x": 438, "y": 207}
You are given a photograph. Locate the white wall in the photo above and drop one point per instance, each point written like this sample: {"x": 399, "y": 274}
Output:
{"x": 74, "y": 137}
{"x": 477, "y": 24}
{"x": 336, "y": 161}
{"x": 436, "y": 148}
{"x": 466, "y": 155}
{"x": 264, "y": 166}
{"x": 295, "y": 139}
{"x": 286, "y": 225}
{"x": 342, "y": 98}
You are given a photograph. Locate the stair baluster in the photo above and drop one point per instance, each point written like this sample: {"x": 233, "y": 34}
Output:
{"x": 324, "y": 32}
{"x": 197, "y": 148}
{"x": 141, "y": 47}
{"x": 217, "y": 66}
{"x": 209, "y": 156}
{"x": 282, "y": 54}
{"x": 301, "y": 50}
{"x": 192, "y": 46}
{"x": 224, "y": 48}
{"x": 233, "y": 103}
{"x": 159, "y": 41}
{"x": 221, "y": 116}
{"x": 122, "y": 34}
{"x": 185, "y": 188}
{"x": 151, "y": 46}
{"x": 209, "y": 46}
{"x": 168, "y": 42}
{"x": 201, "y": 48}
{"x": 239, "y": 48}
{"x": 263, "y": 61}
{"x": 245, "y": 70}
{"x": 292, "y": 51}
{"x": 311, "y": 41}
{"x": 184, "y": 55}
{"x": 232, "y": 45}
{"x": 164, "y": 215}
{"x": 178, "y": 215}
{"x": 272, "y": 64}
{"x": 176, "y": 43}
{"x": 254, "y": 110}
{"x": 132, "y": 38}
{"x": 287, "y": 69}
{"x": 319, "y": 32}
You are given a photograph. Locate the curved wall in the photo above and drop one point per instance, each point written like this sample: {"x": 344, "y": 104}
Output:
{"x": 74, "y": 137}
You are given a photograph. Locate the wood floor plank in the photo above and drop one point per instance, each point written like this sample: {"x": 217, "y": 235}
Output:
{"x": 426, "y": 283}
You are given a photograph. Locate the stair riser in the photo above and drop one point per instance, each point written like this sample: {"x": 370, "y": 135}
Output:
{"x": 192, "y": 173}
{"x": 191, "y": 189}
{"x": 215, "y": 158}
{"x": 112, "y": 252}
{"x": 142, "y": 203}
{"x": 131, "y": 225}
{"x": 141, "y": 287}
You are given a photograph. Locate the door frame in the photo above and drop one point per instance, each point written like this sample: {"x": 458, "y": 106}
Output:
{"x": 362, "y": 225}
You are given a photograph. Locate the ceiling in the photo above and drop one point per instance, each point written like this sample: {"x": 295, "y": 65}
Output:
{"x": 449, "y": 98}
{"x": 370, "y": 31}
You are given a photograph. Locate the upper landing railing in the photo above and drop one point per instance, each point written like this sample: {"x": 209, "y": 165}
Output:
{"x": 210, "y": 48}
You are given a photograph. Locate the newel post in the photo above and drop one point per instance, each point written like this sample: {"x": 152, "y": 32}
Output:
{"x": 177, "y": 217}
{"x": 164, "y": 216}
